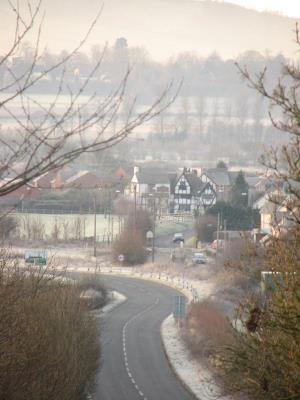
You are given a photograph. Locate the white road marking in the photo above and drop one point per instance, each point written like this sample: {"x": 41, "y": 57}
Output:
{"x": 124, "y": 345}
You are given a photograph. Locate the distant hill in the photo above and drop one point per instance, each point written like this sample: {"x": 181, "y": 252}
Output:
{"x": 164, "y": 27}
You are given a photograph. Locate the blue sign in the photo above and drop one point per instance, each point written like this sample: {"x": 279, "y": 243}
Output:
{"x": 179, "y": 310}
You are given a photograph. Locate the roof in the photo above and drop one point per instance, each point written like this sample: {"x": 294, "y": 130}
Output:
{"x": 22, "y": 192}
{"x": 75, "y": 177}
{"x": 219, "y": 176}
{"x": 84, "y": 179}
{"x": 44, "y": 181}
{"x": 260, "y": 202}
{"x": 223, "y": 177}
{"x": 173, "y": 177}
{"x": 252, "y": 180}
{"x": 194, "y": 181}
{"x": 153, "y": 176}
{"x": 269, "y": 208}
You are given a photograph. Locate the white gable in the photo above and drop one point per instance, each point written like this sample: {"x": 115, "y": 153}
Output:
{"x": 182, "y": 186}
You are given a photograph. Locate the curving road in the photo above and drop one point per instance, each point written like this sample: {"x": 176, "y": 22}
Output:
{"x": 134, "y": 366}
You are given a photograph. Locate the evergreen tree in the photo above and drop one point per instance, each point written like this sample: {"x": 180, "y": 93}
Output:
{"x": 222, "y": 165}
{"x": 239, "y": 192}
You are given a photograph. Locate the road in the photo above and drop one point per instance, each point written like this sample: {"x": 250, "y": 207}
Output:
{"x": 134, "y": 366}
{"x": 166, "y": 241}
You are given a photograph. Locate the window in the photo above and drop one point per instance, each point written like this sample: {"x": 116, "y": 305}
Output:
{"x": 184, "y": 207}
{"x": 182, "y": 185}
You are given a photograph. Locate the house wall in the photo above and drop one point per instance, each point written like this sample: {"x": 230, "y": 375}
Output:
{"x": 266, "y": 222}
{"x": 222, "y": 191}
{"x": 208, "y": 196}
{"x": 162, "y": 187}
{"x": 182, "y": 196}
{"x": 161, "y": 193}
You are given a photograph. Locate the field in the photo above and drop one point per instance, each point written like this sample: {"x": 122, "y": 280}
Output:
{"x": 76, "y": 225}
{"x": 81, "y": 226}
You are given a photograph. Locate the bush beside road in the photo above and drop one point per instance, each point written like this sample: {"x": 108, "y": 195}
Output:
{"x": 54, "y": 350}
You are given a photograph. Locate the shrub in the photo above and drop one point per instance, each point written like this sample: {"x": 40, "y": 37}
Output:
{"x": 237, "y": 217}
{"x": 139, "y": 220}
{"x": 8, "y": 226}
{"x": 206, "y": 329}
{"x": 205, "y": 227}
{"x": 263, "y": 361}
{"x": 93, "y": 292}
{"x": 131, "y": 244}
{"x": 49, "y": 344}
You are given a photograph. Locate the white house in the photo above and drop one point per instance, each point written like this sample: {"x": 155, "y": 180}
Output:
{"x": 189, "y": 193}
{"x": 148, "y": 183}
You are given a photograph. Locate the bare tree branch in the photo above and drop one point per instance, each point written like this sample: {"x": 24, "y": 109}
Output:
{"x": 39, "y": 145}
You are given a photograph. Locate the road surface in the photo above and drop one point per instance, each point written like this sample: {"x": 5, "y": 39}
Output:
{"x": 134, "y": 366}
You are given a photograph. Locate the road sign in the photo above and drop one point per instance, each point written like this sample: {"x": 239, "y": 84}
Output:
{"x": 36, "y": 257}
{"x": 149, "y": 235}
{"x": 121, "y": 257}
{"x": 179, "y": 310}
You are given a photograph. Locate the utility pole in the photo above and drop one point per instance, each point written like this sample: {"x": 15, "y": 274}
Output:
{"x": 218, "y": 229}
{"x": 135, "y": 206}
{"x": 153, "y": 239}
{"x": 225, "y": 233}
{"x": 95, "y": 225}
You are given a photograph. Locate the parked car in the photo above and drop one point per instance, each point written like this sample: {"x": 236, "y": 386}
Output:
{"x": 199, "y": 258}
{"x": 178, "y": 237}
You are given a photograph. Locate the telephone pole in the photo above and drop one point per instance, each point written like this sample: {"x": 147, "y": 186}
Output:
{"x": 95, "y": 226}
{"x": 154, "y": 218}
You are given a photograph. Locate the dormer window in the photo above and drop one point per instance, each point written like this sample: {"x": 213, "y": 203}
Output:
{"x": 182, "y": 185}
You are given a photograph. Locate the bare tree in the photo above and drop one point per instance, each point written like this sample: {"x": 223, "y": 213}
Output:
{"x": 8, "y": 226}
{"x": 56, "y": 229}
{"x": 57, "y": 137}
{"x": 184, "y": 122}
{"x": 32, "y": 228}
{"x": 200, "y": 109}
{"x": 283, "y": 160}
{"x": 66, "y": 229}
{"x": 263, "y": 359}
{"x": 78, "y": 228}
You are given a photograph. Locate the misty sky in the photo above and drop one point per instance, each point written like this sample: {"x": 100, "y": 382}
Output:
{"x": 165, "y": 27}
{"x": 286, "y": 7}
